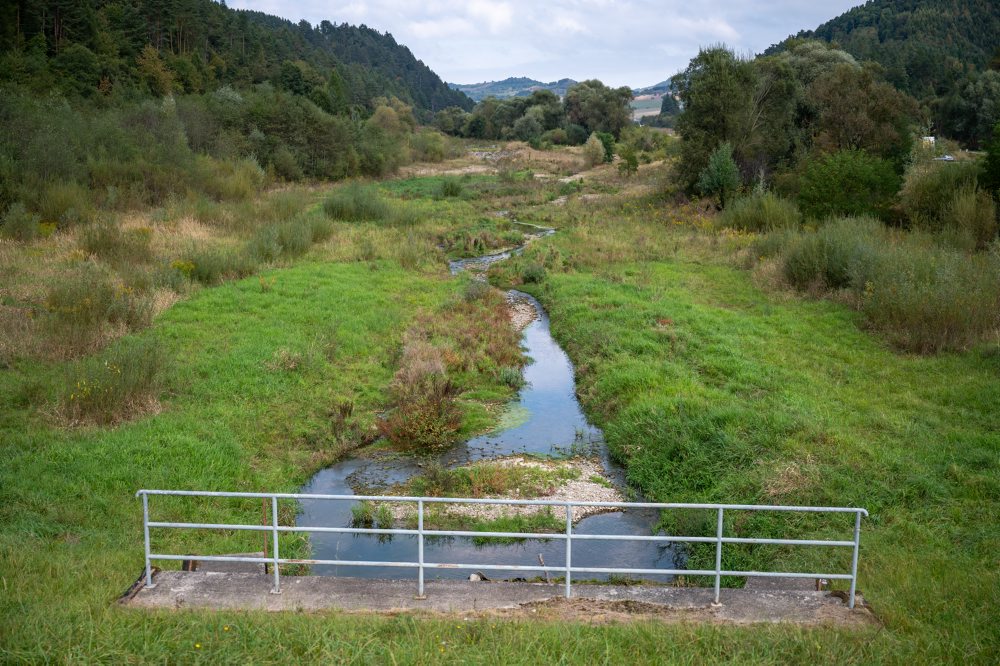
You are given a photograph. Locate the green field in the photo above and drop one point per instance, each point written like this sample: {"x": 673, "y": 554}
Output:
{"x": 707, "y": 386}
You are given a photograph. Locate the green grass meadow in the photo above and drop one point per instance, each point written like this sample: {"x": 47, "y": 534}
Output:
{"x": 708, "y": 386}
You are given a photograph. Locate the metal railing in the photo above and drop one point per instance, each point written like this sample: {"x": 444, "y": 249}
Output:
{"x": 275, "y": 560}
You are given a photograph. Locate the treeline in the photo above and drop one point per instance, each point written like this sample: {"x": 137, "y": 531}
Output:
{"x": 819, "y": 152}
{"x": 61, "y": 163}
{"x": 542, "y": 118}
{"x": 114, "y": 50}
{"x": 944, "y": 53}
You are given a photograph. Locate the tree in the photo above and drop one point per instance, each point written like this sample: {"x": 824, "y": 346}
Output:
{"x": 848, "y": 182}
{"x": 721, "y": 177}
{"x": 990, "y": 178}
{"x": 154, "y": 72}
{"x": 599, "y": 108}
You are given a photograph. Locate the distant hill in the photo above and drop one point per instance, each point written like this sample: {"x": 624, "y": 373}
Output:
{"x": 87, "y": 46}
{"x": 924, "y": 45}
{"x": 511, "y": 87}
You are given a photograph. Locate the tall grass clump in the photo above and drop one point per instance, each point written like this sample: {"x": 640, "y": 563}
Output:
{"x": 922, "y": 297}
{"x": 926, "y": 299}
{"x": 19, "y": 224}
{"x": 119, "y": 384}
{"x": 116, "y": 245}
{"x": 426, "y": 414}
{"x": 80, "y": 306}
{"x": 928, "y": 189}
{"x": 66, "y": 204}
{"x": 356, "y": 202}
{"x": 213, "y": 265}
{"x": 836, "y": 256}
{"x": 231, "y": 180}
{"x": 971, "y": 218}
{"x": 760, "y": 212}
{"x": 450, "y": 188}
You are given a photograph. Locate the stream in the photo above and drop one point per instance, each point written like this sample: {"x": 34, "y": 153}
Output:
{"x": 550, "y": 422}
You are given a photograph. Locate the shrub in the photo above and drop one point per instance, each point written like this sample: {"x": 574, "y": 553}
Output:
{"x": 926, "y": 299}
{"x": 593, "y": 151}
{"x": 19, "y": 224}
{"x": 721, "y": 177}
{"x": 232, "y": 180}
{"x": 122, "y": 382}
{"x": 972, "y": 213}
{"x": 760, "y": 212}
{"x": 295, "y": 237}
{"x": 211, "y": 266}
{"x": 115, "y": 245}
{"x": 66, "y": 204}
{"x": 848, "y": 182}
{"x": 428, "y": 146}
{"x": 838, "y": 255}
{"x": 476, "y": 290}
{"x": 356, "y": 203}
{"x": 928, "y": 189}
{"x": 426, "y": 414}
{"x": 450, "y": 187}
{"x": 79, "y": 305}
{"x": 532, "y": 272}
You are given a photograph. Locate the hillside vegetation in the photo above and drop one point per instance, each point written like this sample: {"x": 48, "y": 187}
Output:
{"x": 944, "y": 53}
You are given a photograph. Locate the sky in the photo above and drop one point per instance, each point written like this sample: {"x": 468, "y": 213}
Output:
{"x": 621, "y": 42}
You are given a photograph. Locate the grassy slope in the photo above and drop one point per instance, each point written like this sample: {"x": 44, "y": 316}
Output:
{"x": 710, "y": 389}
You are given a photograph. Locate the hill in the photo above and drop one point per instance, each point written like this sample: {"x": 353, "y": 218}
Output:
{"x": 97, "y": 47}
{"x": 926, "y": 46}
{"x": 511, "y": 87}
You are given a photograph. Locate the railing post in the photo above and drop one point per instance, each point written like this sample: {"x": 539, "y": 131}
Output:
{"x": 569, "y": 549}
{"x": 274, "y": 532}
{"x": 718, "y": 557}
{"x": 145, "y": 530}
{"x": 854, "y": 560}
{"x": 420, "y": 550}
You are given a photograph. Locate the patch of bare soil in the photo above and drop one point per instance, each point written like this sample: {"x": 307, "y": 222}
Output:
{"x": 597, "y": 612}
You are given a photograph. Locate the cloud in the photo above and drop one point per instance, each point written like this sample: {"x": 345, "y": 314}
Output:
{"x": 623, "y": 42}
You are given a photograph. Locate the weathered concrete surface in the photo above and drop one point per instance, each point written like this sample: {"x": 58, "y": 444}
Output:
{"x": 244, "y": 591}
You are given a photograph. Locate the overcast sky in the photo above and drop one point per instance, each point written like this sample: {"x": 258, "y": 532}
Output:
{"x": 621, "y": 42}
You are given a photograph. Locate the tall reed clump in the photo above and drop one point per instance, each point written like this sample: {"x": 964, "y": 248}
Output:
{"x": 921, "y": 296}
{"x": 426, "y": 414}
{"x": 760, "y": 212}
{"x": 82, "y": 307}
{"x": 119, "y": 384}
{"x": 356, "y": 202}
{"x": 971, "y": 216}
{"x": 116, "y": 245}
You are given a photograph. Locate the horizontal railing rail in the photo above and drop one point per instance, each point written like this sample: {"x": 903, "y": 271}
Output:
{"x": 275, "y": 529}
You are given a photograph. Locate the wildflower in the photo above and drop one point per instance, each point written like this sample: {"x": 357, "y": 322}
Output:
{"x": 197, "y": 646}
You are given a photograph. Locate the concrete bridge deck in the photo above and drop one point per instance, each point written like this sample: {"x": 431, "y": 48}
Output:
{"x": 251, "y": 591}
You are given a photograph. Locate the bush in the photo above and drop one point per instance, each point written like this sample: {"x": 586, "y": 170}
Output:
{"x": 928, "y": 189}
{"x": 972, "y": 213}
{"x": 80, "y": 305}
{"x": 721, "y": 177}
{"x": 848, "y": 182}
{"x": 120, "y": 383}
{"x": 760, "y": 212}
{"x": 295, "y": 237}
{"x": 426, "y": 414}
{"x": 926, "y": 299}
{"x": 450, "y": 187}
{"x": 212, "y": 266}
{"x": 356, "y": 203}
{"x": 232, "y": 181}
{"x": 109, "y": 242}
{"x": 66, "y": 204}
{"x": 533, "y": 272}
{"x": 428, "y": 146}
{"x": 839, "y": 255}
{"x": 19, "y": 224}
{"x": 593, "y": 151}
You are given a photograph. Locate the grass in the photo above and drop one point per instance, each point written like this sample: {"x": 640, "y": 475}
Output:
{"x": 710, "y": 389}
{"x": 488, "y": 479}
{"x": 707, "y": 387}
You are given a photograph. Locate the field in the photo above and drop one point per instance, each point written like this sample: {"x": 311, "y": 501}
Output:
{"x": 709, "y": 382}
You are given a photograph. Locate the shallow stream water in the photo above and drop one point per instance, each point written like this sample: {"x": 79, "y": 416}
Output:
{"x": 551, "y": 423}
